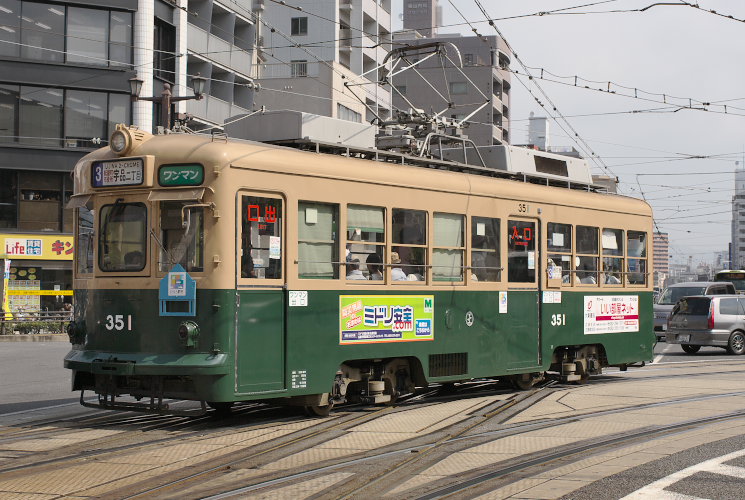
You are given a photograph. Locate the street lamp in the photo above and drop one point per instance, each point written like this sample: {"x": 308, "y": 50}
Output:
{"x": 166, "y": 98}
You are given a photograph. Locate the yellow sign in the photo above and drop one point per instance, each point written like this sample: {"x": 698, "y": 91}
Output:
{"x": 39, "y": 292}
{"x": 36, "y": 247}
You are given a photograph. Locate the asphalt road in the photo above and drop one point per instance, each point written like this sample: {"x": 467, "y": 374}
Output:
{"x": 32, "y": 376}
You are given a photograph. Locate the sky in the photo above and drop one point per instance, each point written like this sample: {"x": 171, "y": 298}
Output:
{"x": 681, "y": 160}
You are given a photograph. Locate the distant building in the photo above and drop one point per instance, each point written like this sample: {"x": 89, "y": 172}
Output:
{"x": 486, "y": 63}
{"x": 661, "y": 258}
{"x": 341, "y": 40}
{"x": 738, "y": 222}
{"x": 422, "y": 16}
{"x": 538, "y": 131}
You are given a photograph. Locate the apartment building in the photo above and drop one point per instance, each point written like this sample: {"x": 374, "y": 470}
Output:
{"x": 485, "y": 63}
{"x": 340, "y": 42}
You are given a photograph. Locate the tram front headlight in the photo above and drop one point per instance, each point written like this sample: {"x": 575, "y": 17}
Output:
{"x": 188, "y": 333}
{"x": 119, "y": 142}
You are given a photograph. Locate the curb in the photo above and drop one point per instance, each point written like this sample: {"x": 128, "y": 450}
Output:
{"x": 36, "y": 337}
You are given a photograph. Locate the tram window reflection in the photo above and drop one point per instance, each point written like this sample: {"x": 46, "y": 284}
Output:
{"x": 84, "y": 244}
{"x": 318, "y": 250}
{"x": 261, "y": 238}
{"x": 559, "y": 240}
{"x": 521, "y": 262}
{"x": 410, "y": 241}
{"x": 366, "y": 240}
{"x": 449, "y": 247}
{"x": 586, "y": 263}
{"x": 612, "y": 256}
{"x": 182, "y": 235}
{"x": 636, "y": 244}
{"x": 122, "y": 236}
{"x": 485, "y": 253}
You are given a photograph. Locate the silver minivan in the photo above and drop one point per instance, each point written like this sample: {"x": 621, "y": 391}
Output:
{"x": 674, "y": 293}
{"x": 709, "y": 320}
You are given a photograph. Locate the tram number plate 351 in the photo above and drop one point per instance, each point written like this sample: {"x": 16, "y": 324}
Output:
{"x": 118, "y": 322}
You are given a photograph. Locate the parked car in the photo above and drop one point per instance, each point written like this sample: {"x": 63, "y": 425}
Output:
{"x": 709, "y": 320}
{"x": 674, "y": 293}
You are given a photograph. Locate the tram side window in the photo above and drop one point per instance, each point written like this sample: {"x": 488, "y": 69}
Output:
{"x": 261, "y": 238}
{"x": 449, "y": 247}
{"x": 122, "y": 241}
{"x": 560, "y": 250}
{"x": 182, "y": 235}
{"x": 587, "y": 255}
{"x": 636, "y": 245}
{"x": 84, "y": 255}
{"x": 521, "y": 251}
{"x": 612, "y": 256}
{"x": 365, "y": 242}
{"x": 485, "y": 257}
{"x": 409, "y": 245}
{"x": 318, "y": 248}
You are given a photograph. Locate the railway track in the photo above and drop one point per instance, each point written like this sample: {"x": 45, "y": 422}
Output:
{"x": 385, "y": 465}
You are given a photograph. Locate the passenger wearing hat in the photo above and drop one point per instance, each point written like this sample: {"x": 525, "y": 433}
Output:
{"x": 397, "y": 274}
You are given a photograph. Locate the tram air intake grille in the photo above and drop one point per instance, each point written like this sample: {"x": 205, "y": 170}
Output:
{"x": 443, "y": 365}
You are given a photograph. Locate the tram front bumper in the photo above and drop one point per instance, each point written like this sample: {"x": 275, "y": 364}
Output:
{"x": 104, "y": 363}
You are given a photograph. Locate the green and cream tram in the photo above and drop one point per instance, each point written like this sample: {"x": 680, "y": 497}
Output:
{"x": 221, "y": 270}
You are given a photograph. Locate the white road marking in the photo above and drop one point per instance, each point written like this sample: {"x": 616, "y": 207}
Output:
{"x": 656, "y": 490}
{"x": 662, "y": 354}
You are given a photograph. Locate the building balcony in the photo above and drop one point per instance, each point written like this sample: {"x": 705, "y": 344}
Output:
{"x": 213, "y": 110}
{"x": 377, "y": 10}
{"x": 214, "y": 48}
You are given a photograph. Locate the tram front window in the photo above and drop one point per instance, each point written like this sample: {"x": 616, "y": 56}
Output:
{"x": 182, "y": 235}
{"x": 122, "y": 241}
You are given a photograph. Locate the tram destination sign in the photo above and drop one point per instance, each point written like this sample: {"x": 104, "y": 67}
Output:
{"x": 365, "y": 319}
{"x": 118, "y": 173}
{"x": 181, "y": 175}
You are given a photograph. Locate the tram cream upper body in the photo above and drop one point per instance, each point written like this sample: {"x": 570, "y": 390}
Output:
{"x": 235, "y": 166}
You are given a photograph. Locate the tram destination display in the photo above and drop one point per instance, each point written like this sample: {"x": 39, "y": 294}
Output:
{"x": 118, "y": 173}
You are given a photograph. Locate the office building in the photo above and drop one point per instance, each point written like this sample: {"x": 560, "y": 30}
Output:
{"x": 738, "y": 221}
{"x": 661, "y": 258}
{"x": 422, "y": 16}
{"x": 64, "y": 85}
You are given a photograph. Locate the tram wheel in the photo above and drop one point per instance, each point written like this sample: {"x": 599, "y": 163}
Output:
{"x": 690, "y": 349}
{"x": 523, "y": 382}
{"x": 736, "y": 344}
{"x": 221, "y": 407}
{"x": 318, "y": 411}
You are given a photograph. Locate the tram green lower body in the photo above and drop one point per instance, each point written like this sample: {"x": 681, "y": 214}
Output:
{"x": 252, "y": 344}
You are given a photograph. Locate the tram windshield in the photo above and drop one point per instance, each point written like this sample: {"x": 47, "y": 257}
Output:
{"x": 182, "y": 234}
{"x": 122, "y": 243}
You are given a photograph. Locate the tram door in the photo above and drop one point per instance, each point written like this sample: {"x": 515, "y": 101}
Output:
{"x": 522, "y": 328}
{"x": 260, "y": 329}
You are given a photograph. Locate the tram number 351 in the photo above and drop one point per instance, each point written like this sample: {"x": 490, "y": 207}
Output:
{"x": 116, "y": 322}
{"x": 558, "y": 319}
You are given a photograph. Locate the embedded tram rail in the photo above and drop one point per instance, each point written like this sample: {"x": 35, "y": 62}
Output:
{"x": 405, "y": 450}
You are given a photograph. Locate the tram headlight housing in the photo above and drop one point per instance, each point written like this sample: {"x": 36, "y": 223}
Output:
{"x": 120, "y": 141}
{"x": 188, "y": 333}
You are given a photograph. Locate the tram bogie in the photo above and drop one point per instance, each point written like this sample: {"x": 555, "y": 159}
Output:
{"x": 235, "y": 271}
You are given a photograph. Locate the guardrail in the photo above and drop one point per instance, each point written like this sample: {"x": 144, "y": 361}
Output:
{"x": 29, "y": 323}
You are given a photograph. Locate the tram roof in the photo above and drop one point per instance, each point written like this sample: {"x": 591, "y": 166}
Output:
{"x": 380, "y": 168}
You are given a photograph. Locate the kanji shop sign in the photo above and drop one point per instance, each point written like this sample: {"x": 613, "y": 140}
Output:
{"x": 36, "y": 246}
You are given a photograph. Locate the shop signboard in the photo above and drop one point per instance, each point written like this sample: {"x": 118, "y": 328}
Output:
{"x": 36, "y": 247}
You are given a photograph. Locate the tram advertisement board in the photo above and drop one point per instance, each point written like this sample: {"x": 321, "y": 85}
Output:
{"x": 386, "y": 318}
{"x": 611, "y": 313}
